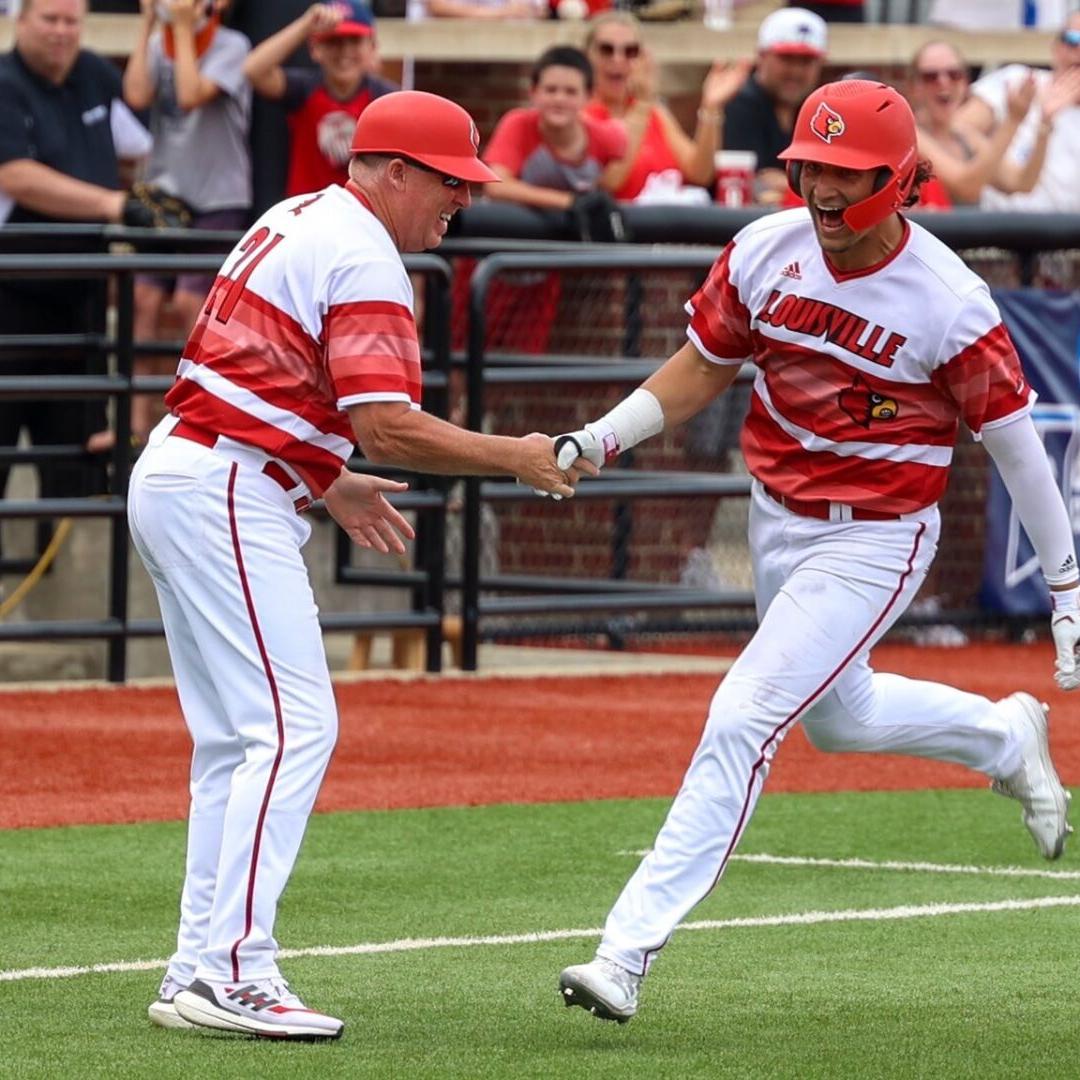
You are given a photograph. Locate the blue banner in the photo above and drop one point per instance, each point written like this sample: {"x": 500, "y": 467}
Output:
{"x": 1046, "y": 329}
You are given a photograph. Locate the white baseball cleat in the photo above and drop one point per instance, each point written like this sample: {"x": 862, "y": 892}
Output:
{"x": 263, "y": 1007}
{"x": 1035, "y": 784}
{"x": 603, "y": 988}
{"x": 163, "y": 1011}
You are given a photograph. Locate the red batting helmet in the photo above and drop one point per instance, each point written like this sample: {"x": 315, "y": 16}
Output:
{"x": 858, "y": 124}
{"x": 425, "y": 127}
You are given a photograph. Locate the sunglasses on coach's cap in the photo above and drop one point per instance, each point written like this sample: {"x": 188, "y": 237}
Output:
{"x": 1070, "y": 37}
{"x": 609, "y": 49}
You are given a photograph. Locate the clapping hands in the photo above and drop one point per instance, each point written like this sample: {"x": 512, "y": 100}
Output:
{"x": 1061, "y": 92}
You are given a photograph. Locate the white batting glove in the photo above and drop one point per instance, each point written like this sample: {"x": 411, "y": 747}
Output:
{"x": 1065, "y": 626}
{"x": 596, "y": 443}
{"x": 587, "y": 443}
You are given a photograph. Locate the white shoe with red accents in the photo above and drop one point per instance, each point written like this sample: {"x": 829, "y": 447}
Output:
{"x": 263, "y": 1007}
{"x": 163, "y": 1011}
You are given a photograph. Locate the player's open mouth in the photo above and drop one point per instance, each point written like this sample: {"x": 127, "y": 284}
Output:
{"x": 830, "y": 217}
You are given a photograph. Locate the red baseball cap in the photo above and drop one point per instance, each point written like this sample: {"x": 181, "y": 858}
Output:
{"x": 427, "y": 128}
{"x": 356, "y": 21}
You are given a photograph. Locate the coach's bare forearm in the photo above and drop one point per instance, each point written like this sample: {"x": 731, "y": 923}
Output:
{"x": 394, "y": 434}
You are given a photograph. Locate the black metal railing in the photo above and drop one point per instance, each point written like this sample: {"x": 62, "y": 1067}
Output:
{"x": 116, "y": 628}
{"x": 538, "y": 243}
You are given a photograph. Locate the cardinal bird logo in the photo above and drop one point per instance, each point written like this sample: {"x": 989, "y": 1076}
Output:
{"x": 827, "y": 124}
{"x": 864, "y": 405}
{"x": 474, "y": 135}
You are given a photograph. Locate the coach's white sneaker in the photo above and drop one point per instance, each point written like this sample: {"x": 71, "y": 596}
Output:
{"x": 604, "y": 988}
{"x": 163, "y": 1011}
{"x": 263, "y": 1007}
{"x": 1035, "y": 784}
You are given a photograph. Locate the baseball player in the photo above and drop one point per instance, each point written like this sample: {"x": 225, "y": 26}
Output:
{"x": 871, "y": 341}
{"x": 306, "y": 345}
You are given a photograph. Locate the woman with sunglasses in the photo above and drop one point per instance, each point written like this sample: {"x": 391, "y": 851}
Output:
{"x": 1051, "y": 129}
{"x": 659, "y": 153}
{"x": 966, "y": 161}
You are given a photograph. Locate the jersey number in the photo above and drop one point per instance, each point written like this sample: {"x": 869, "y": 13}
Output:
{"x": 254, "y": 249}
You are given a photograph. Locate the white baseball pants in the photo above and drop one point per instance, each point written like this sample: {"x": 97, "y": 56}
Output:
{"x": 222, "y": 542}
{"x": 826, "y": 593}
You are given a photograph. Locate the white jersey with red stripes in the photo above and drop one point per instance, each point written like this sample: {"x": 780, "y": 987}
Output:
{"x": 311, "y": 312}
{"x": 863, "y": 377}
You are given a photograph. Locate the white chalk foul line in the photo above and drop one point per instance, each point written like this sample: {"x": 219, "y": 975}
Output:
{"x": 800, "y": 918}
{"x": 909, "y": 867}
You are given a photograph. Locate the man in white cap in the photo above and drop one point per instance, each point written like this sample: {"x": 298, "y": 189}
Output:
{"x": 792, "y": 43}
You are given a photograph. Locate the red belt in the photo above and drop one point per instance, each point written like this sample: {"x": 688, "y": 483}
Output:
{"x": 822, "y": 508}
{"x": 184, "y": 430}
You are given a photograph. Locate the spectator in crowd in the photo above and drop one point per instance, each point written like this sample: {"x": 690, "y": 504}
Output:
{"x": 792, "y": 43}
{"x": 551, "y": 151}
{"x": 322, "y": 106}
{"x": 551, "y": 156}
{"x": 660, "y": 157}
{"x": 1055, "y": 122}
{"x": 188, "y": 72}
{"x": 58, "y": 163}
{"x": 964, "y": 160}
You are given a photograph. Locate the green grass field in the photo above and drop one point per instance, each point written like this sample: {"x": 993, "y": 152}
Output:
{"x": 983, "y": 993}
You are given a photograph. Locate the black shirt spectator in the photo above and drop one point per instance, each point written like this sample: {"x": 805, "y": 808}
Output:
{"x": 750, "y": 123}
{"x": 57, "y": 163}
{"x": 64, "y": 126}
{"x": 791, "y": 48}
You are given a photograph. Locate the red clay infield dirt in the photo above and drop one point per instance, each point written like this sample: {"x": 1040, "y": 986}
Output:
{"x": 121, "y": 754}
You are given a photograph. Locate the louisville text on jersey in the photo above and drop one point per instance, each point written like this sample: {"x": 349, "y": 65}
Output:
{"x": 815, "y": 318}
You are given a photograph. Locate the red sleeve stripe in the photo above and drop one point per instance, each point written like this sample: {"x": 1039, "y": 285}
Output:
{"x": 365, "y": 309}
{"x": 379, "y": 349}
{"x": 720, "y": 320}
{"x": 372, "y": 347}
{"x": 985, "y": 380}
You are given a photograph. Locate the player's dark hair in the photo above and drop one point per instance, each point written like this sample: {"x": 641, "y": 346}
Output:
{"x": 564, "y": 56}
{"x": 923, "y": 171}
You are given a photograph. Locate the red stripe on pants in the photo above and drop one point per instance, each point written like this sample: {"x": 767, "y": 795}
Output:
{"x": 271, "y": 682}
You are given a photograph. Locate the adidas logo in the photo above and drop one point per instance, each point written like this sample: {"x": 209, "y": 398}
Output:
{"x": 250, "y": 997}
{"x": 792, "y": 271}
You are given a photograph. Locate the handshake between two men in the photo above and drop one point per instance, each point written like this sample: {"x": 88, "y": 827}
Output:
{"x": 584, "y": 452}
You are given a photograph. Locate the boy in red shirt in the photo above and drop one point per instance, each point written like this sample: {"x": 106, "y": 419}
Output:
{"x": 550, "y": 152}
{"x": 322, "y": 106}
{"x": 548, "y": 155}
